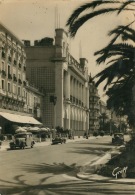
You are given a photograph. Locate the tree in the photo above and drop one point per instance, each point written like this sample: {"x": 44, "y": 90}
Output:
{"x": 120, "y": 74}
{"x": 103, "y": 117}
{"x": 118, "y": 56}
{"x": 94, "y": 9}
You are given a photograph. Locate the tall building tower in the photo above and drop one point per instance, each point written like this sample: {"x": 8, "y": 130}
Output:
{"x": 64, "y": 81}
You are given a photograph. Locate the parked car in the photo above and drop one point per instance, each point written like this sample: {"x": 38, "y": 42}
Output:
{"x": 118, "y": 138}
{"x": 58, "y": 140}
{"x": 22, "y": 140}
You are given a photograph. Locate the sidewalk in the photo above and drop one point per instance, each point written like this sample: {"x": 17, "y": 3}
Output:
{"x": 87, "y": 171}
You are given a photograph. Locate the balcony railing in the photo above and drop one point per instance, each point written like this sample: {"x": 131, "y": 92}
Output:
{"x": 15, "y": 62}
{"x": 9, "y": 59}
{"x": 3, "y": 73}
{"x": 3, "y": 54}
{"x": 19, "y": 81}
{"x": 2, "y": 91}
{"x": 20, "y": 65}
{"x": 14, "y": 79}
{"x": 14, "y": 96}
{"x": 9, "y": 94}
{"x": 24, "y": 83}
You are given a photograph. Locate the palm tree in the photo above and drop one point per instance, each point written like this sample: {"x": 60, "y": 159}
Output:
{"x": 120, "y": 73}
{"x": 119, "y": 58}
{"x": 96, "y": 8}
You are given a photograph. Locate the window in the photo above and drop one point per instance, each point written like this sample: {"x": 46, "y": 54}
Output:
{"x": 19, "y": 91}
{"x": 3, "y": 84}
{"x": 8, "y": 69}
{"x": 19, "y": 76}
{"x": 9, "y": 87}
{"x": 3, "y": 66}
{"x": 23, "y": 93}
{"x": 14, "y": 89}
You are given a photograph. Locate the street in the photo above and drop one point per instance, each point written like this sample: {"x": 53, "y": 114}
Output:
{"x": 52, "y": 170}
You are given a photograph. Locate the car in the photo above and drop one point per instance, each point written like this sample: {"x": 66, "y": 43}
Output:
{"x": 58, "y": 140}
{"x": 22, "y": 140}
{"x": 118, "y": 138}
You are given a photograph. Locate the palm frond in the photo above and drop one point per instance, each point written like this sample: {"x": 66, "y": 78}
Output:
{"x": 119, "y": 70}
{"x": 125, "y": 4}
{"x": 76, "y": 24}
{"x": 124, "y": 50}
{"x": 86, "y": 6}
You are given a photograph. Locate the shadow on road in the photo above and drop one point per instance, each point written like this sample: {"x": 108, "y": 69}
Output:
{"x": 90, "y": 150}
{"x": 19, "y": 187}
{"x": 55, "y": 168}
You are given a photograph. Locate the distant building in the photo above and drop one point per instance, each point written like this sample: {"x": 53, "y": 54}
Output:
{"x": 94, "y": 106}
{"x": 13, "y": 85}
{"x": 63, "y": 80}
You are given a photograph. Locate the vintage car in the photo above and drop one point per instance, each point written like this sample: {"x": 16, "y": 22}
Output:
{"x": 22, "y": 140}
{"x": 58, "y": 140}
{"x": 118, "y": 138}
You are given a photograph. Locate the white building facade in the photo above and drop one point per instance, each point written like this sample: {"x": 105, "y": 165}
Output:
{"x": 54, "y": 69}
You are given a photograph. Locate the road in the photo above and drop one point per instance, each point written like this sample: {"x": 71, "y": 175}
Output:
{"x": 51, "y": 170}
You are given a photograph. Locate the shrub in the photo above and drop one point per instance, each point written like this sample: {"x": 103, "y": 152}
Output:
{"x": 95, "y": 133}
{"x": 102, "y": 133}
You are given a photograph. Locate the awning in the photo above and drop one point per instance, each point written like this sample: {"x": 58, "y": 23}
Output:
{"x": 20, "y": 118}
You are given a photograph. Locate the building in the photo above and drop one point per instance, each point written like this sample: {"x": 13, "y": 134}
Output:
{"x": 63, "y": 80}
{"x": 34, "y": 101}
{"x": 94, "y": 107}
{"x": 13, "y": 90}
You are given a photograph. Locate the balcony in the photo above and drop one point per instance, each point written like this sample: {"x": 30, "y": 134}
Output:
{"x": 14, "y": 79}
{"x": 24, "y": 83}
{"x": 15, "y": 62}
{"x": 9, "y": 94}
{"x": 3, "y": 73}
{"x": 24, "y": 99}
{"x": 19, "y": 65}
{"x": 15, "y": 96}
{"x": 9, "y": 76}
{"x": 9, "y": 59}
{"x": 67, "y": 100}
{"x": 19, "y": 81}
{"x": 3, "y": 92}
{"x": 20, "y": 98}
{"x": 3, "y": 54}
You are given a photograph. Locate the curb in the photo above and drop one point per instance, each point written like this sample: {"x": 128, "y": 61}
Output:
{"x": 99, "y": 178}
{"x": 5, "y": 145}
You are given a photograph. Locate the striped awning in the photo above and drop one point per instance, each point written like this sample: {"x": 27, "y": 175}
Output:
{"x": 20, "y": 118}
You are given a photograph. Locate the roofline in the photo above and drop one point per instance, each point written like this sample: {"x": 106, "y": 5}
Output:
{"x": 11, "y": 34}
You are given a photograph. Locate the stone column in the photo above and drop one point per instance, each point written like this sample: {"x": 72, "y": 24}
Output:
{"x": 59, "y": 93}
{"x": 68, "y": 85}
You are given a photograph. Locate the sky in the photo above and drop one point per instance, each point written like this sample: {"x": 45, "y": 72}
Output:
{"x": 35, "y": 19}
